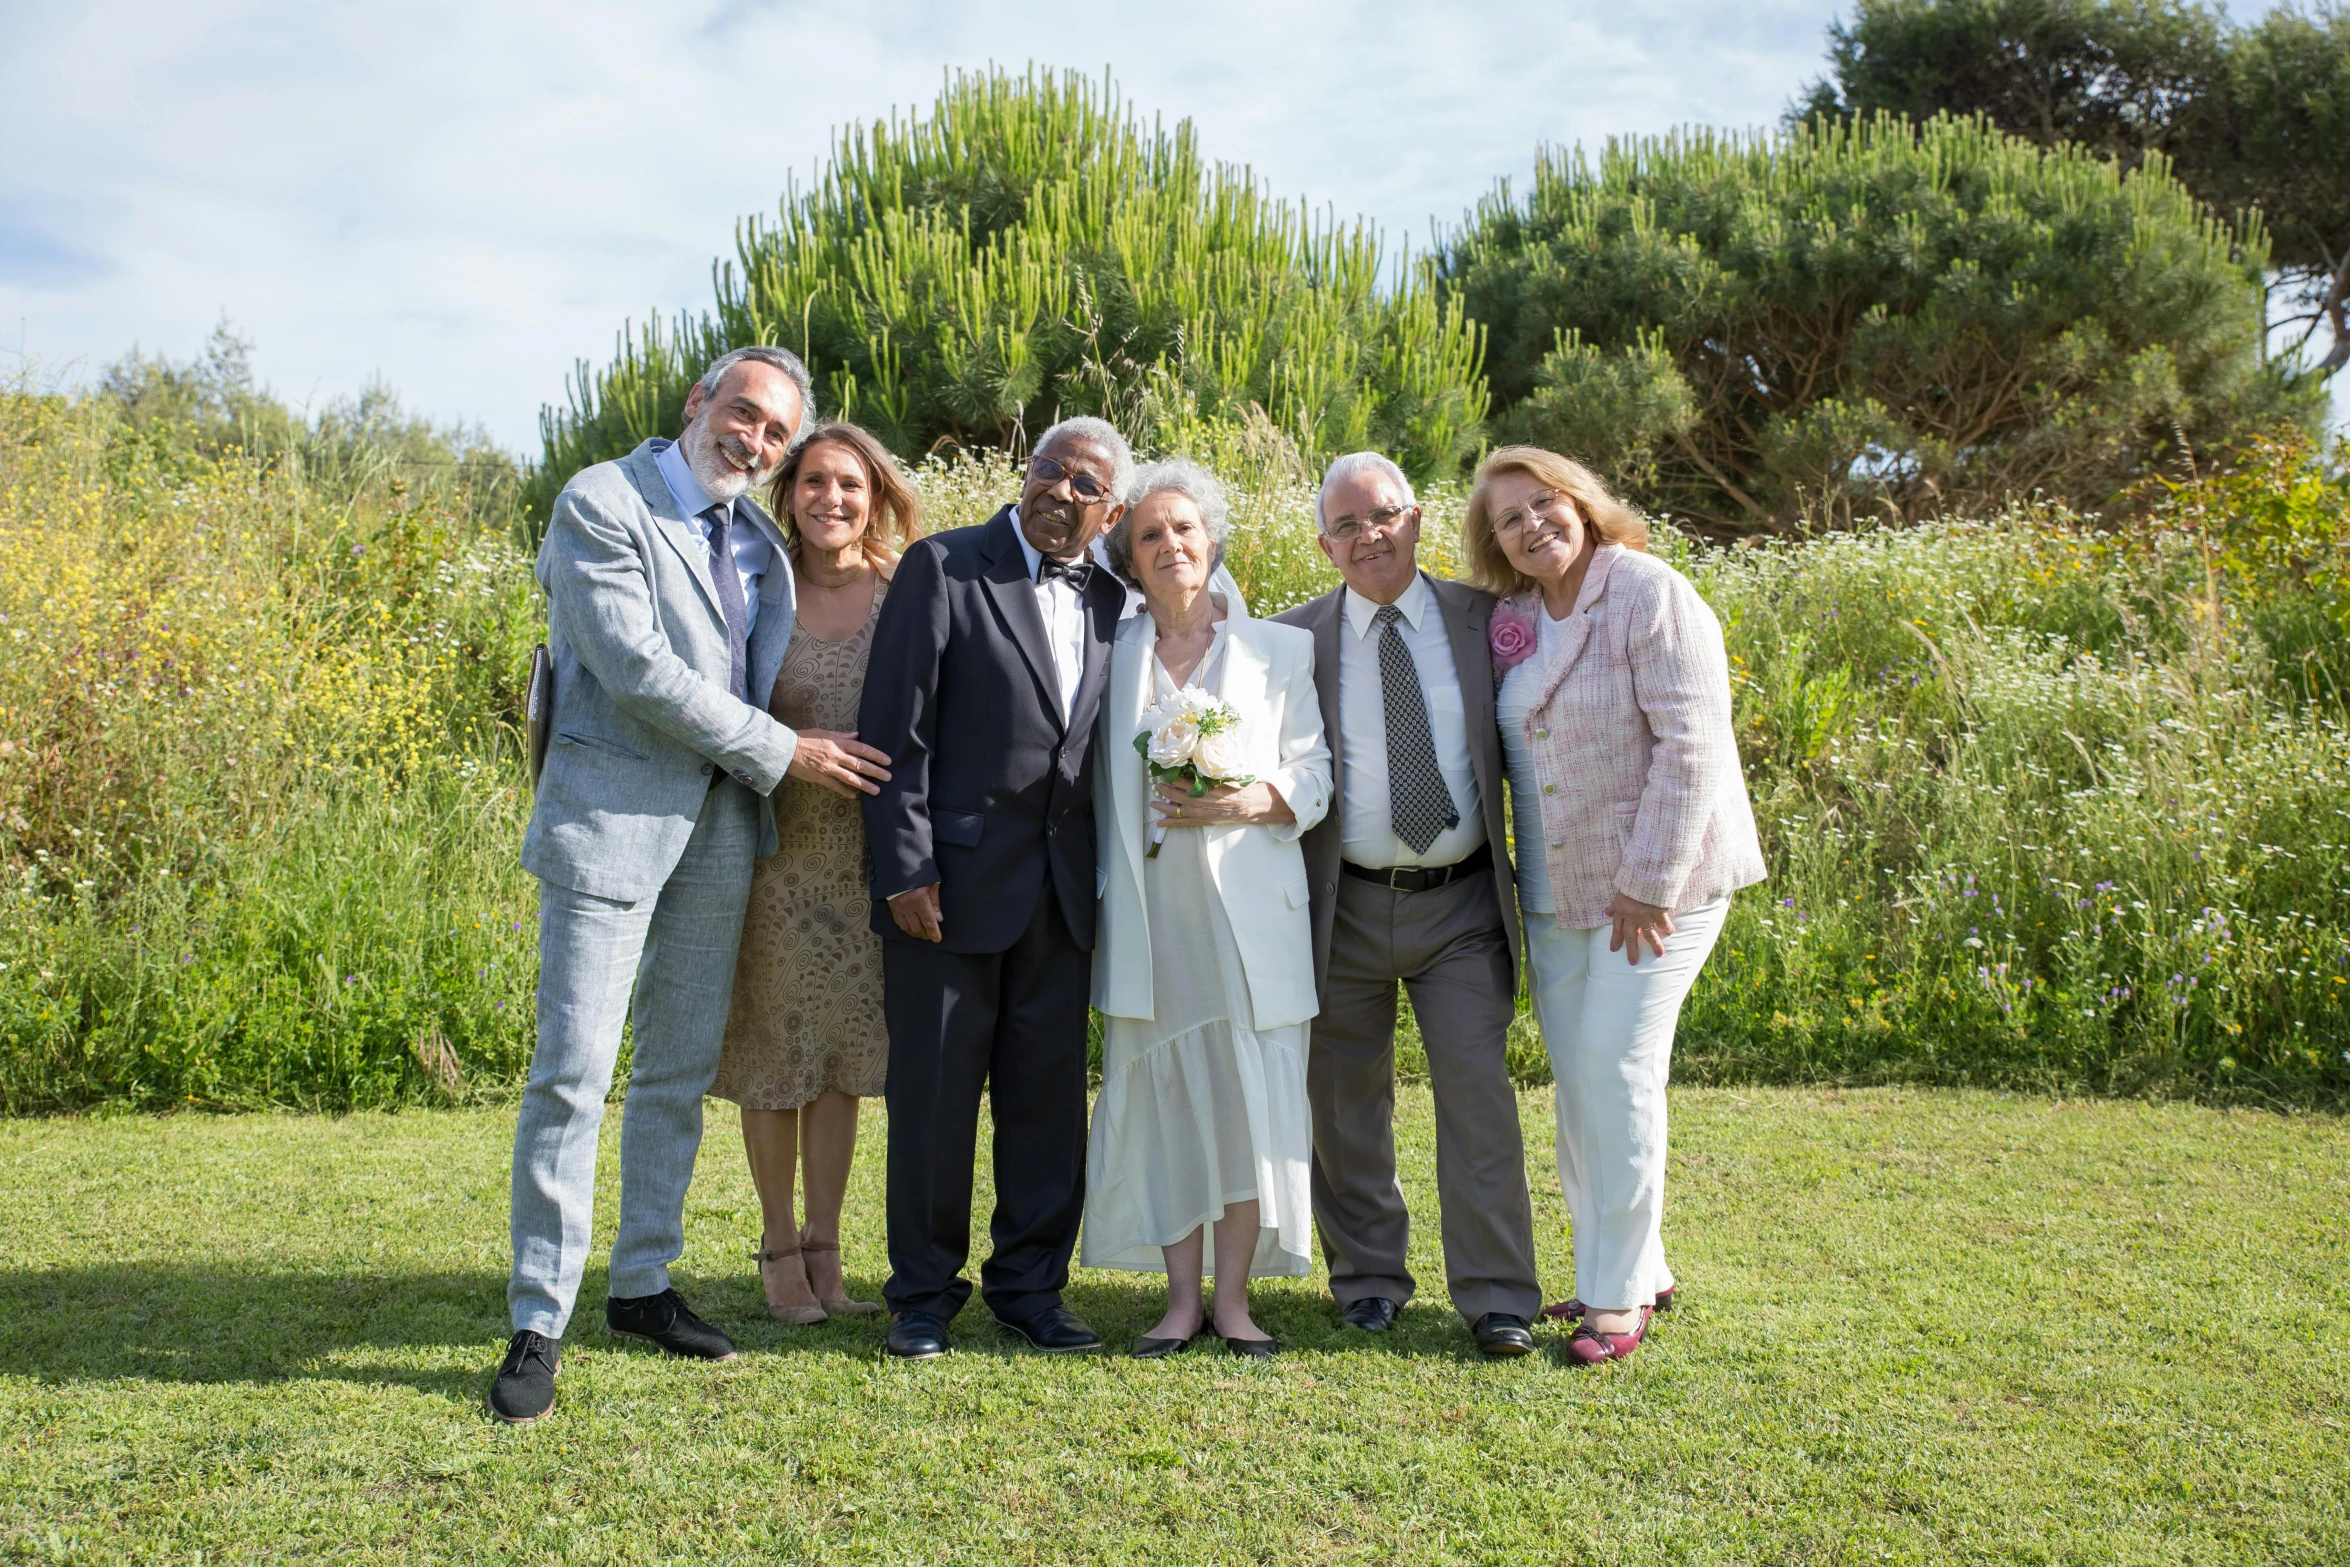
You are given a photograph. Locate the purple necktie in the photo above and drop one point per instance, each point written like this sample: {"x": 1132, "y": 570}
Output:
{"x": 729, "y": 583}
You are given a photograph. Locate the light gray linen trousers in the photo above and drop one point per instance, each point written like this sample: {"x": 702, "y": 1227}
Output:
{"x": 647, "y": 820}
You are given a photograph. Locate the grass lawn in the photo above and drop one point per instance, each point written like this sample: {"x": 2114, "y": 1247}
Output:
{"x": 1915, "y": 1327}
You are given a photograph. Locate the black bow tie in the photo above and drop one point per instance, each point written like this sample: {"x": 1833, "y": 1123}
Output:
{"x": 1077, "y": 573}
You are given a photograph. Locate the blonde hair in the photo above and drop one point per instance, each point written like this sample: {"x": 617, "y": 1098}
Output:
{"x": 1608, "y": 519}
{"x": 893, "y": 512}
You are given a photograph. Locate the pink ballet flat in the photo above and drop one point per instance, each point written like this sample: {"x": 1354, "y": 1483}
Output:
{"x": 1588, "y": 1348}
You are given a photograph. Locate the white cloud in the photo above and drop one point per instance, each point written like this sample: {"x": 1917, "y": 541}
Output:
{"x": 465, "y": 199}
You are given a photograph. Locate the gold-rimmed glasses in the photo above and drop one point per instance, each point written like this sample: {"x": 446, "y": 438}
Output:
{"x": 1542, "y": 502}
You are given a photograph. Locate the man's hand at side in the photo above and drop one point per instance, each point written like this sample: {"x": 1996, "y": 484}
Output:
{"x": 916, "y": 911}
{"x": 839, "y": 762}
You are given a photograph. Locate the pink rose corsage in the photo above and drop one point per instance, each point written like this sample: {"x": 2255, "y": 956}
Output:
{"x": 1514, "y": 638}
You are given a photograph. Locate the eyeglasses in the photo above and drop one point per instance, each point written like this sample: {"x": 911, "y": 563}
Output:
{"x": 1348, "y": 529}
{"x": 1087, "y": 488}
{"x": 1545, "y": 502}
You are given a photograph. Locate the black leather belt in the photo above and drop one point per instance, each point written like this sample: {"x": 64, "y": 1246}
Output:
{"x": 1422, "y": 878}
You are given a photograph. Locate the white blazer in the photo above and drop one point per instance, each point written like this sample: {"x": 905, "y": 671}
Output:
{"x": 1259, "y": 871}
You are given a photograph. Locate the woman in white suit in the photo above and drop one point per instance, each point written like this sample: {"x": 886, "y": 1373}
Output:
{"x": 1203, "y": 968}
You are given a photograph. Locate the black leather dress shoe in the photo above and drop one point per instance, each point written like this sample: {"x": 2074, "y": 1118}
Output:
{"x": 1056, "y": 1331}
{"x": 1499, "y": 1333}
{"x": 665, "y": 1321}
{"x": 916, "y": 1336}
{"x": 1373, "y": 1313}
{"x": 525, "y": 1385}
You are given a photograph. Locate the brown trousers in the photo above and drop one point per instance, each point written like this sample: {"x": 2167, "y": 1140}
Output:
{"x": 1448, "y": 948}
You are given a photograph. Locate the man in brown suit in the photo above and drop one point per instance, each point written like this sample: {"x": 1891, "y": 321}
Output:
{"x": 1410, "y": 881}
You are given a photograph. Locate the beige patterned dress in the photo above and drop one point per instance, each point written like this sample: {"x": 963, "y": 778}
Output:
{"x": 807, "y": 1017}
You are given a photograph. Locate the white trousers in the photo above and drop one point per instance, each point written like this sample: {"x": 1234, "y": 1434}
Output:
{"x": 1608, "y": 1026}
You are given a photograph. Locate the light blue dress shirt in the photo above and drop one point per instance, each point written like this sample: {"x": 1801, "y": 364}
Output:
{"x": 753, "y": 555}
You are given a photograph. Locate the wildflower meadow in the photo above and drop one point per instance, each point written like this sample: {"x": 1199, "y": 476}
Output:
{"x": 2048, "y": 804}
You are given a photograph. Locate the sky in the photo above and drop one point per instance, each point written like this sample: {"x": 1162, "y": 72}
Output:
{"x": 466, "y": 199}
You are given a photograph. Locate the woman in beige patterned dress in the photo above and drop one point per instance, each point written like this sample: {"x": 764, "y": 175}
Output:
{"x": 805, "y": 1038}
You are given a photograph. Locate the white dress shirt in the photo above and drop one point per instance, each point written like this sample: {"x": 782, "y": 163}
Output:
{"x": 1064, "y": 621}
{"x": 753, "y": 555}
{"x": 1367, "y": 823}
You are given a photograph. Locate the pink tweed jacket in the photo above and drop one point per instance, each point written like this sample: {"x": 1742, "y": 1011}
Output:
{"x": 1633, "y": 747}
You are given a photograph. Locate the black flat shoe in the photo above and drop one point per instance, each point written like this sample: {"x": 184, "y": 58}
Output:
{"x": 1056, "y": 1330}
{"x": 1254, "y": 1348}
{"x": 1373, "y": 1313}
{"x": 1147, "y": 1348}
{"x": 667, "y": 1323}
{"x": 1502, "y": 1335}
{"x": 525, "y": 1385}
{"x": 914, "y": 1336}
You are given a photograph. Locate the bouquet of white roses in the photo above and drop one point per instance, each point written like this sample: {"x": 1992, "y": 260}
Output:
{"x": 1192, "y": 739}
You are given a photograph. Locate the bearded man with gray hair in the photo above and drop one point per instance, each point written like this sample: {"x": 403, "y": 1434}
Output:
{"x": 669, "y": 607}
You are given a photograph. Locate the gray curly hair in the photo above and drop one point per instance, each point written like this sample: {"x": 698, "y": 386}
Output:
{"x": 1184, "y": 477}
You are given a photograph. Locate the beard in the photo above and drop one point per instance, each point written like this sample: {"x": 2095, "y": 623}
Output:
{"x": 720, "y": 462}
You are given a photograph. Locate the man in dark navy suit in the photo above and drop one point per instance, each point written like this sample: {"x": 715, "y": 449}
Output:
{"x": 988, "y": 664}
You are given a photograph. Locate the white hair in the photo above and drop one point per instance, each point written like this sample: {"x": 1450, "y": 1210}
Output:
{"x": 1354, "y": 465}
{"x": 782, "y": 359}
{"x": 1104, "y": 435}
{"x": 1183, "y": 477}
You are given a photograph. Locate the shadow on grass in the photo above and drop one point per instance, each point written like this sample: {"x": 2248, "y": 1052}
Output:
{"x": 220, "y": 1323}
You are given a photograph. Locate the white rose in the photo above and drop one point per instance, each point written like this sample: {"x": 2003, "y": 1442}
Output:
{"x": 1174, "y": 739}
{"x": 1219, "y": 755}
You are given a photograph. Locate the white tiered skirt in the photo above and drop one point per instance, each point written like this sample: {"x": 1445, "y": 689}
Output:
{"x": 1197, "y": 1110}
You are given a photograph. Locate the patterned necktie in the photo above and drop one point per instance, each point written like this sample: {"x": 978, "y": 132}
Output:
{"x": 729, "y": 583}
{"x": 1418, "y": 803}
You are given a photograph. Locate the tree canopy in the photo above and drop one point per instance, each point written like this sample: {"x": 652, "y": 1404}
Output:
{"x": 1866, "y": 317}
{"x": 1030, "y": 250}
{"x": 2250, "y": 116}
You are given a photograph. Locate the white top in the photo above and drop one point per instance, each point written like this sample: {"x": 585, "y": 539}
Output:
{"x": 753, "y": 556}
{"x": 1064, "y": 620}
{"x": 1519, "y": 690}
{"x": 1367, "y": 825}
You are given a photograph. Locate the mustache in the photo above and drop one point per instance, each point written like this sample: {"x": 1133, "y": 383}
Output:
{"x": 738, "y": 452}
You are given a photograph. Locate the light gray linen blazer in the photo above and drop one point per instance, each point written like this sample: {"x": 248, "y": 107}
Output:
{"x": 643, "y": 716}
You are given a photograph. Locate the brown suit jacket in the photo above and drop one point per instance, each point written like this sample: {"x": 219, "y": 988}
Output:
{"x": 1468, "y": 615}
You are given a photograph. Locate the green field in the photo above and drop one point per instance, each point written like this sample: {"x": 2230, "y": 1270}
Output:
{"x": 1918, "y": 1326}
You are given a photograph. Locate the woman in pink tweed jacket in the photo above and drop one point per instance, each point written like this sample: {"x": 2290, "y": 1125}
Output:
{"x": 1632, "y": 829}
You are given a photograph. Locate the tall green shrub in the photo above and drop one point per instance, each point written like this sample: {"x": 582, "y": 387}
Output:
{"x": 1866, "y": 318}
{"x": 1030, "y": 250}
{"x": 2251, "y": 115}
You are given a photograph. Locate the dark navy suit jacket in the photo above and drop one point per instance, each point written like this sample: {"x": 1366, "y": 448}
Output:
{"x": 990, "y": 793}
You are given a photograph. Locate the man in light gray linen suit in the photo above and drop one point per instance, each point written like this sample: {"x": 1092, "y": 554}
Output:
{"x": 669, "y": 606}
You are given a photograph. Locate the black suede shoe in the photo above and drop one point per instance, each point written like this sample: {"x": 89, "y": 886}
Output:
{"x": 1498, "y": 1333}
{"x": 1056, "y": 1331}
{"x": 665, "y": 1321}
{"x": 525, "y": 1384}
{"x": 915, "y": 1336}
{"x": 1254, "y": 1348}
{"x": 1373, "y": 1313}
